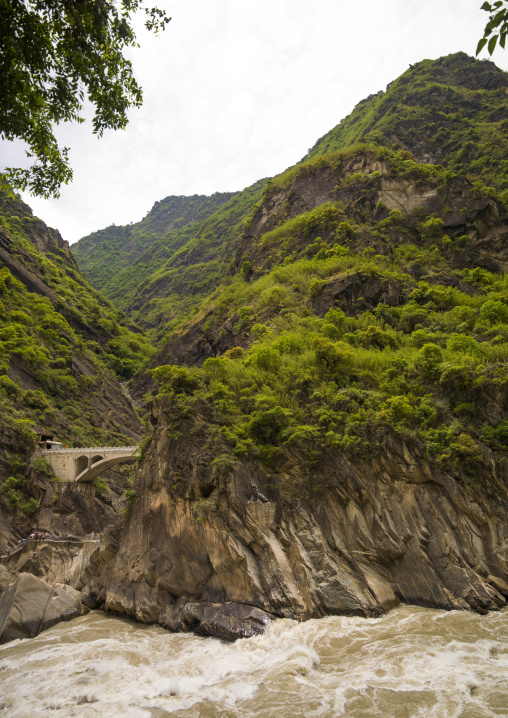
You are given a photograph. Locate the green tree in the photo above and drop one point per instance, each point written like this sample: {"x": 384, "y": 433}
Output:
{"x": 55, "y": 55}
{"x": 497, "y": 26}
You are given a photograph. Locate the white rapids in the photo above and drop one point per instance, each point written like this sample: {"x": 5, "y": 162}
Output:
{"x": 411, "y": 663}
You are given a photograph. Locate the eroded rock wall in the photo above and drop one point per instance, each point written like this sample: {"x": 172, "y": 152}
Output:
{"x": 196, "y": 553}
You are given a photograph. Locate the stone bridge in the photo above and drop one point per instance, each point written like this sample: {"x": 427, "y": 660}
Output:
{"x": 83, "y": 465}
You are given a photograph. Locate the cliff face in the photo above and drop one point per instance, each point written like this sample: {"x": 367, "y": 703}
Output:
{"x": 318, "y": 390}
{"x": 357, "y": 388}
{"x": 368, "y": 187}
{"x": 197, "y": 553}
{"x": 450, "y": 111}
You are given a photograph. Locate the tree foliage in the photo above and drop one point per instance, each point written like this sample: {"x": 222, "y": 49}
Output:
{"x": 497, "y": 26}
{"x": 57, "y": 54}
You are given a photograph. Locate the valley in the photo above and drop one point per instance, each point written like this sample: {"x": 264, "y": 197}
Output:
{"x": 333, "y": 339}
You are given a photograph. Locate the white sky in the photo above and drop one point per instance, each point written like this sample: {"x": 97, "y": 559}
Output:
{"x": 237, "y": 90}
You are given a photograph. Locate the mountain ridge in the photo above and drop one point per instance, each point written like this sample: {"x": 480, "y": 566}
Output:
{"x": 459, "y": 125}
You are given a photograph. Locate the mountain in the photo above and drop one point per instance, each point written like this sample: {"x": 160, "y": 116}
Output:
{"x": 449, "y": 111}
{"x": 64, "y": 351}
{"x": 159, "y": 269}
{"x": 107, "y": 254}
{"x": 328, "y": 409}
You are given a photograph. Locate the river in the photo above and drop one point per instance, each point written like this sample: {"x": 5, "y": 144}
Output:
{"x": 411, "y": 663}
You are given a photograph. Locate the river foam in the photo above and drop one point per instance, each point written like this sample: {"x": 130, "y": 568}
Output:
{"x": 411, "y": 663}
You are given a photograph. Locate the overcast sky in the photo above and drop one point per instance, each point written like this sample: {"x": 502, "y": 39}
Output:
{"x": 237, "y": 90}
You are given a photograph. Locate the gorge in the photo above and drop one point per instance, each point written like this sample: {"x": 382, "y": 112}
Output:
{"x": 334, "y": 338}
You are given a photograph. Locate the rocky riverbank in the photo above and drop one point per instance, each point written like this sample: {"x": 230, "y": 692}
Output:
{"x": 199, "y": 554}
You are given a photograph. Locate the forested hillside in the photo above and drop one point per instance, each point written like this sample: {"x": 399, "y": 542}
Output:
{"x": 159, "y": 269}
{"x": 451, "y": 111}
{"x": 64, "y": 349}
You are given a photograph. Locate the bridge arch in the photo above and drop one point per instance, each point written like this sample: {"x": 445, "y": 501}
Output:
{"x": 81, "y": 464}
{"x": 90, "y": 473}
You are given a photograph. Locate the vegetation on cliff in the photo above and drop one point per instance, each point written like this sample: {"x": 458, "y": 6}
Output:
{"x": 357, "y": 321}
{"x": 118, "y": 259}
{"x": 451, "y": 111}
{"x": 63, "y": 351}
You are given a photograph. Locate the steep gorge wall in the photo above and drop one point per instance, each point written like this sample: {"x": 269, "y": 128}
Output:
{"x": 196, "y": 553}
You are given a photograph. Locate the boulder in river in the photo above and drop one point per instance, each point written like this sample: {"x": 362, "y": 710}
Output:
{"x": 30, "y": 606}
{"x": 227, "y": 621}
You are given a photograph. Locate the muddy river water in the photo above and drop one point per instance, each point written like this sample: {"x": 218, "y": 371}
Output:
{"x": 411, "y": 663}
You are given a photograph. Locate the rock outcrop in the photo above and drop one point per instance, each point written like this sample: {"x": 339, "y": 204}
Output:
{"x": 462, "y": 209}
{"x": 31, "y": 605}
{"x": 195, "y": 552}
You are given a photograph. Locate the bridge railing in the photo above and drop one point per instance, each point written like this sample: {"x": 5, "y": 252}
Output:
{"x": 96, "y": 449}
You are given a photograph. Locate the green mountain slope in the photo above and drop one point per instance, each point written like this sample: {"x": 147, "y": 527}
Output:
{"x": 337, "y": 412}
{"x": 104, "y": 255}
{"x": 371, "y": 301}
{"x": 452, "y": 111}
{"x": 63, "y": 347}
{"x": 449, "y": 111}
{"x": 159, "y": 269}
{"x": 173, "y": 278}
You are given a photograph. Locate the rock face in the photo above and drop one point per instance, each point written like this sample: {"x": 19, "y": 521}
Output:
{"x": 461, "y": 209}
{"x": 30, "y": 606}
{"x": 53, "y": 561}
{"x": 75, "y": 513}
{"x": 196, "y": 554}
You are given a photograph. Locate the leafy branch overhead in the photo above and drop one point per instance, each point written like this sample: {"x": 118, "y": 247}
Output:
{"x": 56, "y": 55}
{"x": 497, "y": 26}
